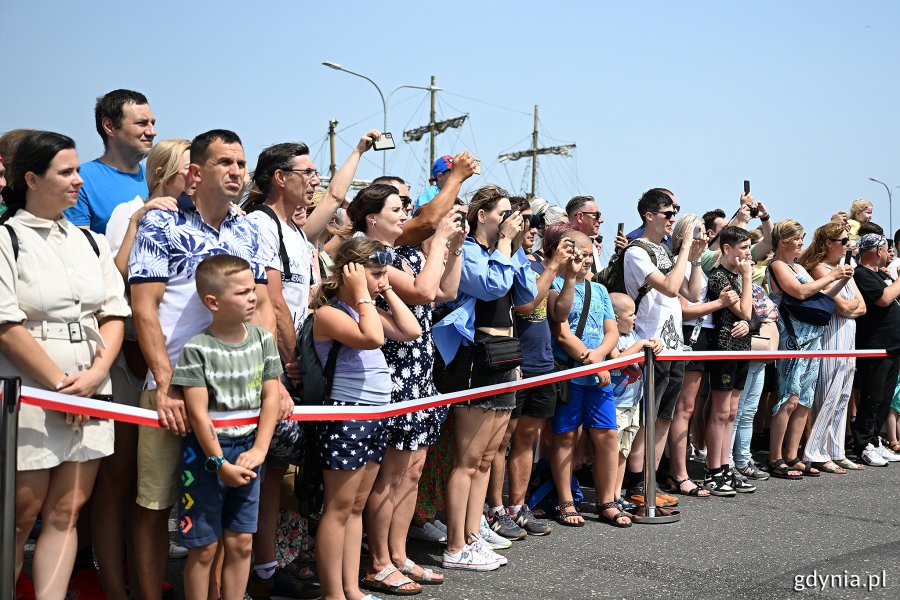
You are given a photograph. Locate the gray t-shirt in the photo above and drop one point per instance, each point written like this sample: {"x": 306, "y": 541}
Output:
{"x": 232, "y": 373}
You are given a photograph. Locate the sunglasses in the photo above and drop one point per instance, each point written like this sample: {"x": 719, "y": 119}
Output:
{"x": 668, "y": 214}
{"x": 382, "y": 257}
{"x": 595, "y": 214}
{"x": 844, "y": 241}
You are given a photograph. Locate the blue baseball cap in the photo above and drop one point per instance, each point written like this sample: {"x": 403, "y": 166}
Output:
{"x": 441, "y": 165}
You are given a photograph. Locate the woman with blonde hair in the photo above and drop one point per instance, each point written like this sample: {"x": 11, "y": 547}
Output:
{"x": 825, "y": 447}
{"x": 116, "y": 484}
{"x": 796, "y": 376}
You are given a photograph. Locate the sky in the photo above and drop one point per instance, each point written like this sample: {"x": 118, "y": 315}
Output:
{"x": 800, "y": 98}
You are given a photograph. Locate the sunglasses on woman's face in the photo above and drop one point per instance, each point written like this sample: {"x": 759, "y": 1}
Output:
{"x": 844, "y": 241}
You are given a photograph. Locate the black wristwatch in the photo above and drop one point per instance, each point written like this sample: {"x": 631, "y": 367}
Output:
{"x": 214, "y": 463}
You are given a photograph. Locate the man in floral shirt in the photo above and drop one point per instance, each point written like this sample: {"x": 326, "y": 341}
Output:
{"x": 167, "y": 312}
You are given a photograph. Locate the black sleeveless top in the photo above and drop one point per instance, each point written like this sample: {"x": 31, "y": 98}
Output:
{"x": 494, "y": 313}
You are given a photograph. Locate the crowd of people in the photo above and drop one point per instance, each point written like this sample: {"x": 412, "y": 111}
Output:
{"x": 166, "y": 275}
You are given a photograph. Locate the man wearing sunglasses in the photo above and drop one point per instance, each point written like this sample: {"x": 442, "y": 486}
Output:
{"x": 586, "y": 217}
{"x": 655, "y": 282}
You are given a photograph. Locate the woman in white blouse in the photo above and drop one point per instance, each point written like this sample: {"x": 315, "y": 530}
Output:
{"x": 62, "y": 309}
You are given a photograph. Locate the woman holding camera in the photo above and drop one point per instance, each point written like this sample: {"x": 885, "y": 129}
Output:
{"x": 476, "y": 341}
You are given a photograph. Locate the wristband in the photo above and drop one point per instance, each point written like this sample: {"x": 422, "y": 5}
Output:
{"x": 363, "y": 301}
{"x": 765, "y": 218}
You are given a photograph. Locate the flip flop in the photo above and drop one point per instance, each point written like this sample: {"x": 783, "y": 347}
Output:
{"x": 849, "y": 464}
{"x": 377, "y": 583}
{"x": 829, "y": 467}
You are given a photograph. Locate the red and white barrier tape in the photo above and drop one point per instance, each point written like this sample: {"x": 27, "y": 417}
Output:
{"x": 141, "y": 416}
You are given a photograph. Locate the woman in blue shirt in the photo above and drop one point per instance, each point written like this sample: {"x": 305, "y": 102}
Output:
{"x": 496, "y": 276}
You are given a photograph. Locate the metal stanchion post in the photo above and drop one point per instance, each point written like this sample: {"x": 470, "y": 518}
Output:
{"x": 649, "y": 513}
{"x": 9, "y": 422}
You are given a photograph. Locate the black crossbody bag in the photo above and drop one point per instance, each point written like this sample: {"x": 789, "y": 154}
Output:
{"x": 564, "y": 386}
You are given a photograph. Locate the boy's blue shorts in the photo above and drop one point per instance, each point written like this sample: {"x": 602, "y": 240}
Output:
{"x": 207, "y": 505}
{"x": 590, "y": 406}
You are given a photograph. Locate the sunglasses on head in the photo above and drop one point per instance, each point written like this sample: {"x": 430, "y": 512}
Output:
{"x": 382, "y": 257}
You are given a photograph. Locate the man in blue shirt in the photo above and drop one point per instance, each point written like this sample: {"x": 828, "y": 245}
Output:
{"x": 127, "y": 126}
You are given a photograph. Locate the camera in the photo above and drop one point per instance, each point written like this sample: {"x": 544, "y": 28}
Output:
{"x": 753, "y": 212}
{"x": 535, "y": 221}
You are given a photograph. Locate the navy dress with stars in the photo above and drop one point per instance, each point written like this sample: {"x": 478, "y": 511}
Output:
{"x": 411, "y": 365}
{"x": 361, "y": 378}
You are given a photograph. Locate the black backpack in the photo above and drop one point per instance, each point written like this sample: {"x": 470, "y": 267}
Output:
{"x": 316, "y": 378}
{"x": 14, "y": 240}
{"x": 613, "y": 276}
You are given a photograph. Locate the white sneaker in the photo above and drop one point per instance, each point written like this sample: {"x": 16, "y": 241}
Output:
{"x": 872, "y": 457}
{"x": 177, "y": 550}
{"x": 469, "y": 559}
{"x": 493, "y": 540}
{"x": 888, "y": 454}
{"x": 480, "y": 545}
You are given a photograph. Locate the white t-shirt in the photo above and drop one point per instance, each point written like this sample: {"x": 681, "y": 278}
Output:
{"x": 658, "y": 315}
{"x": 115, "y": 235}
{"x": 707, "y": 320}
{"x": 894, "y": 268}
{"x": 296, "y": 289}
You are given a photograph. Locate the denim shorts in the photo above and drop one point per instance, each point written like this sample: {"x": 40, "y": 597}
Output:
{"x": 465, "y": 375}
{"x": 590, "y": 406}
{"x": 207, "y": 505}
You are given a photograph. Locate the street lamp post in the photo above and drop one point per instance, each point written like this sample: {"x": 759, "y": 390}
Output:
{"x": 384, "y": 103}
{"x": 890, "y": 204}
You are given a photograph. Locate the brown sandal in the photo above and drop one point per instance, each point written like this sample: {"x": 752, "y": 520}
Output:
{"x": 614, "y": 519}
{"x": 562, "y": 514}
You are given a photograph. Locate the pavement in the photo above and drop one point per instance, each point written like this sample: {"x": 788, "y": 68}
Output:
{"x": 836, "y": 536}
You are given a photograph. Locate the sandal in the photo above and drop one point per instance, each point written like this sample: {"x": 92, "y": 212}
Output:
{"x": 894, "y": 446}
{"x": 829, "y": 466}
{"x": 299, "y": 571}
{"x": 807, "y": 470}
{"x": 696, "y": 491}
{"x": 377, "y": 583}
{"x": 428, "y": 577}
{"x": 614, "y": 519}
{"x": 780, "y": 469}
{"x": 849, "y": 464}
{"x": 562, "y": 514}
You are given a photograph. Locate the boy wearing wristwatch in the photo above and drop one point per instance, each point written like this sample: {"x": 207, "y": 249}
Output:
{"x": 231, "y": 366}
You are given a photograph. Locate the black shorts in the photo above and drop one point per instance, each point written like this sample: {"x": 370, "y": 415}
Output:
{"x": 538, "y": 402}
{"x": 727, "y": 375}
{"x": 464, "y": 375}
{"x": 701, "y": 345}
{"x": 668, "y": 375}
{"x": 770, "y": 384}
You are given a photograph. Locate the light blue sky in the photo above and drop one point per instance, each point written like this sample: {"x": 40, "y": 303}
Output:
{"x": 799, "y": 97}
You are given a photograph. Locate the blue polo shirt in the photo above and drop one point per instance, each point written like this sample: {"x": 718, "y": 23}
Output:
{"x": 104, "y": 189}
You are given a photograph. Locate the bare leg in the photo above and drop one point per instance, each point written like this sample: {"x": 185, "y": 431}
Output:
{"x": 498, "y": 468}
{"x": 698, "y": 421}
{"x": 353, "y": 537}
{"x": 521, "y": 457}
{"x": 777, "y": 427}
{"x": 341, "y": 488}
{"x": 561, "y": 468}
{"x": 69, "y": 488}
{"x": 151, "y": 529}
{"x": 405, "y": 495}
{"x": 605, "y": 468}
{"x": 478, "y": 491}
{"x": 197, "y": 569}
{"x": 236, "y": 566}
{"x": 678, "y": 437}
{"x": 729, "y": 425}
{"x": 269, "y": 507}
{"x": 719, "y": 406}
{"x": 473, "y": 429}
{"x": 112, "y": 509}
{"x": 31, "y": 490}
{"x": 796, "y": 427}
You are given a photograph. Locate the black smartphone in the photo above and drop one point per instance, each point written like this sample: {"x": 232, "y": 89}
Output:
{"x": 697, "y": 232}
{"x": 505, "y": 215}
{"x": 461, "y": 217}
{"x": 848, "y": 257}
{"x": 385, "y": 142}
{"x": 620, "y": 229}
{"x": 746, "y": 186}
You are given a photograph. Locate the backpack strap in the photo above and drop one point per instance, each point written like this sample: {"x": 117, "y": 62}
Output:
{"x": 282, "y": 251}
{"x": 582, "y": 319}
{"x": 331, "y": 363}
{"x": 14, "y": 240}
{"x": 645, "y": 287}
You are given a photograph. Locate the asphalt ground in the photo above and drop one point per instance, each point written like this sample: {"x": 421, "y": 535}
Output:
{"x": 779, "y": 542}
